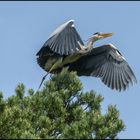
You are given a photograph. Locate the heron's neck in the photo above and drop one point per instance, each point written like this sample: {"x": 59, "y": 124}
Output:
{"x": 90, "y": 42}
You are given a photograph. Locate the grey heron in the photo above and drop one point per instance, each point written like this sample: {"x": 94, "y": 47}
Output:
{"x": 65, "y": 48}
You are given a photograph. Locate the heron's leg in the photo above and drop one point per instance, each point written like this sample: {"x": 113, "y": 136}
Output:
{"x": 42, "y": 80}
{"x": 55, "y": 65}
{"x": 45, "y": 76}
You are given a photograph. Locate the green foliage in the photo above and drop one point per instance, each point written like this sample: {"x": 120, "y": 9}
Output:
{"x": 60, "y": 110}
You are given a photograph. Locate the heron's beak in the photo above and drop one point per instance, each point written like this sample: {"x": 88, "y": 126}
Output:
{"x": 106, "y": 34}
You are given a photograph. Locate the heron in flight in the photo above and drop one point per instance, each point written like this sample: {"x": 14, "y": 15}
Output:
{"x": 65, "y": 48}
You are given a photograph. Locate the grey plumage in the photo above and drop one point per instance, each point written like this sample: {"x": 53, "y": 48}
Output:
{"x": 104, "y": 62}
{"x": 108, "y": 64}
{"x": 64, "y": 39}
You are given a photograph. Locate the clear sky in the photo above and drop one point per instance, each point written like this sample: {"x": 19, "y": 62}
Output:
{"x": 25, "y": 26}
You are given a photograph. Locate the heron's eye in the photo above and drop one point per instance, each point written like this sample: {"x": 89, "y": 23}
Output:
{"x": 97, "y": 33}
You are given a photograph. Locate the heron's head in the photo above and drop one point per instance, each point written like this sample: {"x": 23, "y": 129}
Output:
{"x": 99, "y": 35}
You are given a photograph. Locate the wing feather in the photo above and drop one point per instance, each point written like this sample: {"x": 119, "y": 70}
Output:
{"x": 120, "y": 80}
{"x": 106, "y": 72}
{"x": 58, "y": 43}
{"x": 107, "y": 63}
{"x": 109, "y": 76}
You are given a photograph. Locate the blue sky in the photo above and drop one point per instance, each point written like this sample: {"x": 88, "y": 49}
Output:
{"x": 25, "y": 26}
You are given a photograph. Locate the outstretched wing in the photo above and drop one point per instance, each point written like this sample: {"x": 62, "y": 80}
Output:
{"x": 64, "y": 39}
{"x": 107, "y": 63}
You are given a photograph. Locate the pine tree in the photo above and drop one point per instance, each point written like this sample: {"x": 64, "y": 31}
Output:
{"x": 59, "y": 110}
